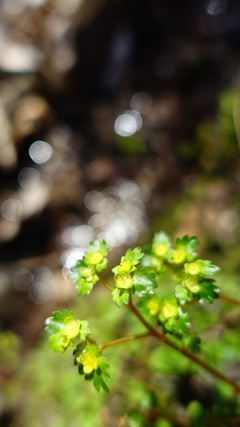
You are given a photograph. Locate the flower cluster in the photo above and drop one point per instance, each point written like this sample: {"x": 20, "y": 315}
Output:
{"x": 162, "y": 252}
{"x": 191, "y": 275}
{"x": 168, "y": 313}
{"x": 192, "y": 282}
{"x": 131, "y": 279}
{"x": 63, "y": 329}
{"x": 92, "y": 365}
{"x": 137, "y": 275}
{"x": 84, "y": 272}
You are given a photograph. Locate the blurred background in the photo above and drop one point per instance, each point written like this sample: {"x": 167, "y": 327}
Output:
{"x": 118, "y": 119}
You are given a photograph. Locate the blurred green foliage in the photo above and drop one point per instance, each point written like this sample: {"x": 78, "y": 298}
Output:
{"x": 151, "y": 385}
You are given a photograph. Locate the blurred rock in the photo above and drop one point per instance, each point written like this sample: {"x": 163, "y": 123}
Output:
{"x": 31, "y": 112}
{"x": 8, "y": 155}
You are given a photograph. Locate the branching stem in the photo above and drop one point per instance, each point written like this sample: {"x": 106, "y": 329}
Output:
{"x": 228, "y": 299}
{"x": 162, "y": 337}
{"x": 102, "y": 345}
{"x": 92, "y": 341}
{"x": 105, "y": 283}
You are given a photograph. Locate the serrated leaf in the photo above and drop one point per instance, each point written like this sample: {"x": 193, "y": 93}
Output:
{"x": 98, "y": 245}
{"x": 188, "y": 242}
{"x": 207, "y": 268}
{"x": 133, "y": 256}
{"x": 144, "y": 281}
{"x": 99, "y": 383}
{"x": 55, "y": 342}
{"x": 192, "y": 342}
{"x": 57, "y": 321}
{"x": 178, "y": 325}
{"x": 102, "y": 266}
{"x": 84, "y": 277}
{"x": 76, "y": 270}
{"x": 101, "y": 375}
{"x": 120, "y": 296}
{"x": 208, "y": 291}
{"x": 84, "y": 287}
{"x": 104, "y": 367}
{"x": 182, "y": 294}
{"x": 84, "y": 329}
{"x": 146, "y": 259}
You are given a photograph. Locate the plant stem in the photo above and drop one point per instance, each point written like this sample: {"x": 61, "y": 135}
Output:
{"x": 105, "y": 283}
{"x": 92, "y": 341}
{"x": 102, "y": 345}
{"x": 228, "y": 299}
{"x": 161, "y": 337}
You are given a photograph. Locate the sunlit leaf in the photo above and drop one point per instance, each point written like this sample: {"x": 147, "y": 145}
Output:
{"x": 144, "y": 281}
{"x": 120, "y": 296}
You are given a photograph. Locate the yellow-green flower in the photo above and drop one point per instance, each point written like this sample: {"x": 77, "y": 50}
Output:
{"x": 89, "y": 362}
{"x": 124, "y": 280}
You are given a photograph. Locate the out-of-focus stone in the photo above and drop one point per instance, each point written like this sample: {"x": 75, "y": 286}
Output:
{"x": 8, "y": 156}
{"x": 30, "y": 113}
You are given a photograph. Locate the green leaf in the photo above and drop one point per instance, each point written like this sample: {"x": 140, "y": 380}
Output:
{"x": 57, "y": 321}
{"x": 192, "y": 342}
{"x": 84, "y": 287}
{"x": 99, "y": 383}
{"x": 120, "y": 296}
{"x": 78, "y": 271}
{"x": 84, "y": 330}
{"x": 144, "y": 281}
{"x": 177, "y": 325}
{"x": 84, "y": 276}
{"x": 188, "y": 243}
{"x": 102, "y": 266}
{"x": 98, "y": 245}
{"x": 103, "y": 372}
{"x": 55, "y": 342}
{"x": 208, "y": 291}
{"x": 196, "y": 413}
{"x": 183, "y": 294}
